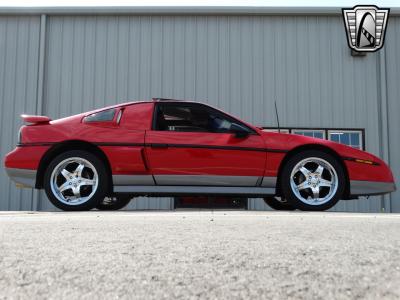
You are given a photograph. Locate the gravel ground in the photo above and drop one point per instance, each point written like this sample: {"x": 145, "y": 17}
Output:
{"x": 199, "y": 254}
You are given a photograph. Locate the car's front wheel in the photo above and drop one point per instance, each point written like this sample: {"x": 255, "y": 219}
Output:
{"x": 76, "y": 180}
{"x": 313, "y": 180}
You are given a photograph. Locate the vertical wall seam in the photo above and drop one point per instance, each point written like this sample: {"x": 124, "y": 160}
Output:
{"x": 383, "y": 122}
{"x": 13, "y": 91}
{"x": 386, "y": 124}
{"x": 40, "y": 88}
{"x": 3, "y": 94}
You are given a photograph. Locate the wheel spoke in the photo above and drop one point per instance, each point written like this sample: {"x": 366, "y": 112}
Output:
{"x": 324, "y": 182}
{"x": 303, "y": 185}
{"x": 79, "y": 169}
{"x": 87, "y": 182}
{"x": 66, "y": 174}
{"x": 65, "y": 186}
{"x": 77, "y": 191}
{"x": 315, "y": 191}
{"x": 304, "y": 171}
{"x": 319, "y": 170}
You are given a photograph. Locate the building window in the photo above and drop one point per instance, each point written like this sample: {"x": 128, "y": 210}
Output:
{"x": 352, "y": 138}
{"x": 276, "y": 130}
{"x": 310, "y": 132}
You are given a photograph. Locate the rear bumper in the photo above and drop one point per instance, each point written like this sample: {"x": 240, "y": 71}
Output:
{"x": 22, "y": 177}
{"x": 364, "y": 188}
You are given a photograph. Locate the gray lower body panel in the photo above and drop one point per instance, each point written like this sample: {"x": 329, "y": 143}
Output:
{"x": 269, "y": 182}
{"x": 206, "y": 180}
{"x": 191, "y": 190}
{"x": 133, "y": 180}
{"x": 170, "y": 185}
{"x": 23, "y": 177}
{"x": 194, "y": 180}
{"x": 364, "y": 188}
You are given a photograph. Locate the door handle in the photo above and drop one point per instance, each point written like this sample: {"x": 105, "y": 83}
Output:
{"x": 160, "y": 146}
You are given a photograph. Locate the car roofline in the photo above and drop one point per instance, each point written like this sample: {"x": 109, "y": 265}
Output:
{"x": 169, "y": 100}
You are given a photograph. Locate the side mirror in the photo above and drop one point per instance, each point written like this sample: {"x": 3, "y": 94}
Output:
{"x": 239, "y": 131}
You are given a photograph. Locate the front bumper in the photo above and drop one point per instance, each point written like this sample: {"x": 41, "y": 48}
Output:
{"x": 365, "y": 188}
{"x": 22, "y": 177}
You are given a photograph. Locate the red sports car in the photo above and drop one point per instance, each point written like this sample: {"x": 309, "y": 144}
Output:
{"x": 167, "y": 147}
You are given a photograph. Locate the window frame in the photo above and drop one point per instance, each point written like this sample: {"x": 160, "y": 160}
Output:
{"x": 86, "y": 121}
{"x": 324, "y": 136}
{"x": 276, "y": 130}
{"x": 361, "y": 138}
{"x": 156, "y": 111}
{"x": 326, "y": 129}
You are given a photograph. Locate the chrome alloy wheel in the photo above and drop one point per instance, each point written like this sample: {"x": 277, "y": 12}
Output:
{"x": 314, "y": 181}
{"x": 74, "y": 181}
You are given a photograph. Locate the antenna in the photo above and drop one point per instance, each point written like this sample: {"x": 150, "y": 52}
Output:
{"x": 277, "y": 117}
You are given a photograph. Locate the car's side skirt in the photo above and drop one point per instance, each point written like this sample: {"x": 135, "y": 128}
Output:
{"x": 194, "y": 190}
{"x": 133, "y": 179}
{"x": 194, "y": 180}
{"x": 207, "y": 180}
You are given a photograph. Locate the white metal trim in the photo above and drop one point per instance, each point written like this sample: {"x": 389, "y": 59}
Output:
{"x": 178, "y": 10}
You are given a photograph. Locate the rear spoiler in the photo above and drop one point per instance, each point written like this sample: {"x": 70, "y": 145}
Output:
{"x": 35, "y": 119}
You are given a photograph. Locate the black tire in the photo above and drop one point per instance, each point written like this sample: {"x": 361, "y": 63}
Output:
{"x": 96, "y": 195}
{"x": 331, "y": 199}
{"x": 277, "y": 204}
{"x": 114, "y": 202}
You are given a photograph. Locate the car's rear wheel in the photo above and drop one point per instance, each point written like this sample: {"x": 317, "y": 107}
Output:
{"x": 313, "y": 180}
{"x": 76, "y": 180}
{"x": 114, "y": 202}
{"x": 278, "y": 203}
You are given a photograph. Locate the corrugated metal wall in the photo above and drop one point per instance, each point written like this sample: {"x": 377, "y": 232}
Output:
{"x": 392, "y": 64}
{"x": 238, "y": 63}
{"x": 19, "y": 48}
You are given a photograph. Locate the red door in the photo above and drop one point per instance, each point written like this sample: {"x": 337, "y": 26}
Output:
{"x": 203, "y": 158}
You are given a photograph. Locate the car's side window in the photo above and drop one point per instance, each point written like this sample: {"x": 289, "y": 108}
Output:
{"x": 193, "y": 118}
{"x": 102, "y": 116}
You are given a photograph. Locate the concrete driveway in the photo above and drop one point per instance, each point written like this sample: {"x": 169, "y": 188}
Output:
{"x": 199, "y": 254}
